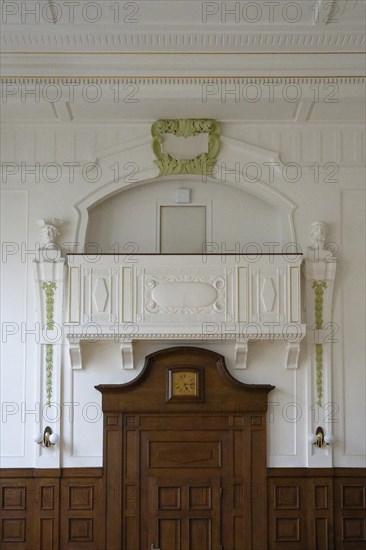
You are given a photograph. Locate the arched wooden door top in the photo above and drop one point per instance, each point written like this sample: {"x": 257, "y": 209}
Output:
{"x": 217, "y": 390}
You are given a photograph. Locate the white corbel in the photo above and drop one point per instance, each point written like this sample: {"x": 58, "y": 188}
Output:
{"x": 292, "y": 357}
{"x": 75, "y": 353}
{"x": 241, "y": 354}
{"x": 127, "y": 354}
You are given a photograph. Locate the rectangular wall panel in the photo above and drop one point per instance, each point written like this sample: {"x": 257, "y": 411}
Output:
{"x": 353, "y": 325}
{"x": 74, "y": 294}
{"x": 14, "y": 289}
{"x": 242, "y": 294}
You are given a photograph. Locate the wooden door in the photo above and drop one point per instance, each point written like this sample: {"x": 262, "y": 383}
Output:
{"x": 190, "y": 473}
{"x": 184, "y": 514}
{"x": 183, "y": 470}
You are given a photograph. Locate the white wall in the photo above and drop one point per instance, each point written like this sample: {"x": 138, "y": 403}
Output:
{"x": 340, "y": 204}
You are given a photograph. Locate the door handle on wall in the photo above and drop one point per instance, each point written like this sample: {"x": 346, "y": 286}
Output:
{"x": 153, "y": 547}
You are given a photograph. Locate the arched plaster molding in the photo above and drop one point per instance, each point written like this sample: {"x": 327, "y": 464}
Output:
{"x": 232, "y": 153}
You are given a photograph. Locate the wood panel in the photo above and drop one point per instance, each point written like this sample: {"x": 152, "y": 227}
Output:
{"x": 82, "y": 506}
{"x": 350, "y": 516}
{"x": 51, "y": 509}
{"x": 310, "y": 509}
{"x": 317, "y": 509}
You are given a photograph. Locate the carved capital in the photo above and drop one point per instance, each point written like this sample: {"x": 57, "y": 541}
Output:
{"x": 50, "y": 230}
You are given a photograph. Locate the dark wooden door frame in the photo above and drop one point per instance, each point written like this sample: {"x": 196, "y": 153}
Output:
{"x": 127, "y": 406}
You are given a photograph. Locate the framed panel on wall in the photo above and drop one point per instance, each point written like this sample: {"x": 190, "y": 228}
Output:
{"x": 183, "y": 229}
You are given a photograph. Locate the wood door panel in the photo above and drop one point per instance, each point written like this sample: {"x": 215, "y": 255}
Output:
{"x": 169, "y": 534}
{"x": 184, "y": 515}
{"x": 205, "y": 421}
{"x": 200, "y": 534}
{"x": 184, "y": 454}
{"x": 183, "y": 449}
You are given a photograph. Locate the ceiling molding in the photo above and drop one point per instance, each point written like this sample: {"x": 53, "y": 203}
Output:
{"x": 169, "y": 81}
{"x": 182, "y": 65}
{"x": 183, "y": 26}
{"x": 38, "y": 41}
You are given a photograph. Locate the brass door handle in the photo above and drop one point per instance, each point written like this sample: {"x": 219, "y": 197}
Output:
{"x": 153, "y": 547}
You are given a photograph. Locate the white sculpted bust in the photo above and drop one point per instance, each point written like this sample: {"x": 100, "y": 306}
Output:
{"x": 318, "y": 234}
{"x": 50, "y": 231}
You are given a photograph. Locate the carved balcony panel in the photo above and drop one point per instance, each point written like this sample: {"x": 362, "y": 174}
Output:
{"x": 185, "y": 298}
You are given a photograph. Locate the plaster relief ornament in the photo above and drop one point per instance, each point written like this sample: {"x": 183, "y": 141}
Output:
{"x": 50, "y": 231}
{"x": 318, "y": 234}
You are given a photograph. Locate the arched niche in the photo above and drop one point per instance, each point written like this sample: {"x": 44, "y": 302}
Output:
{"x": 131, "y": 219}
{"x": 126, "y": 210}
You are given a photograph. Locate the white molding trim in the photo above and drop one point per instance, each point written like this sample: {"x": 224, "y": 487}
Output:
{"x": 160, "y": 66}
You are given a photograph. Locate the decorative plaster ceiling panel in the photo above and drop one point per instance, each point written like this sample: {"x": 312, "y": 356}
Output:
{"x": 183, "y": 26}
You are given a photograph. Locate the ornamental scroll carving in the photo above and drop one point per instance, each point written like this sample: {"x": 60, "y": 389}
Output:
{"x": 184, "y": 294}
{"x": 203, "y": 163}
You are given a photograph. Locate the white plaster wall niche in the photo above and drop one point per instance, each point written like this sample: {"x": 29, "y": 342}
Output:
{"x": 230, "y": 224}
{"x": 230, "y": 171}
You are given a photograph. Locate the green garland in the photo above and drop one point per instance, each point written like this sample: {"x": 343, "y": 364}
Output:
{"x": 49, "y": 368}
{"x": 319, "y": 288}
{"x": 202, "y": 164}
{"x": 49, "y": 289}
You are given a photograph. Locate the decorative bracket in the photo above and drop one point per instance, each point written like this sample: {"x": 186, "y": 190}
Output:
{"x": 293, "y": 352}
{"x": 241, "y": 354}
{"x": 75, "y": 353}
{"x": 127, "y": 354}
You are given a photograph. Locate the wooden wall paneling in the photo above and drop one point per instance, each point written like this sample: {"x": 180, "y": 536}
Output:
{"x": 350, "y": 511}
{"x": 82, "y": 510}
{"x": 258, "y": 460}
{"x": 319, "y": 512}
{"x": 240, "y": 534}
{"x": 130, "y": 484}
{"x": 308, "y": 509}
{"x": 113, "y": 449}
{"x": 331, "y": 504}
{"x": 16, "y": 514}
{"x": 50, "y": 509}
{"x": 46, "y": 524}
{"x": 287, "y": 514}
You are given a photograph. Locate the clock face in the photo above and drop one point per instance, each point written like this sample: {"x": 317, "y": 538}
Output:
{"x": 184, "y": 383}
